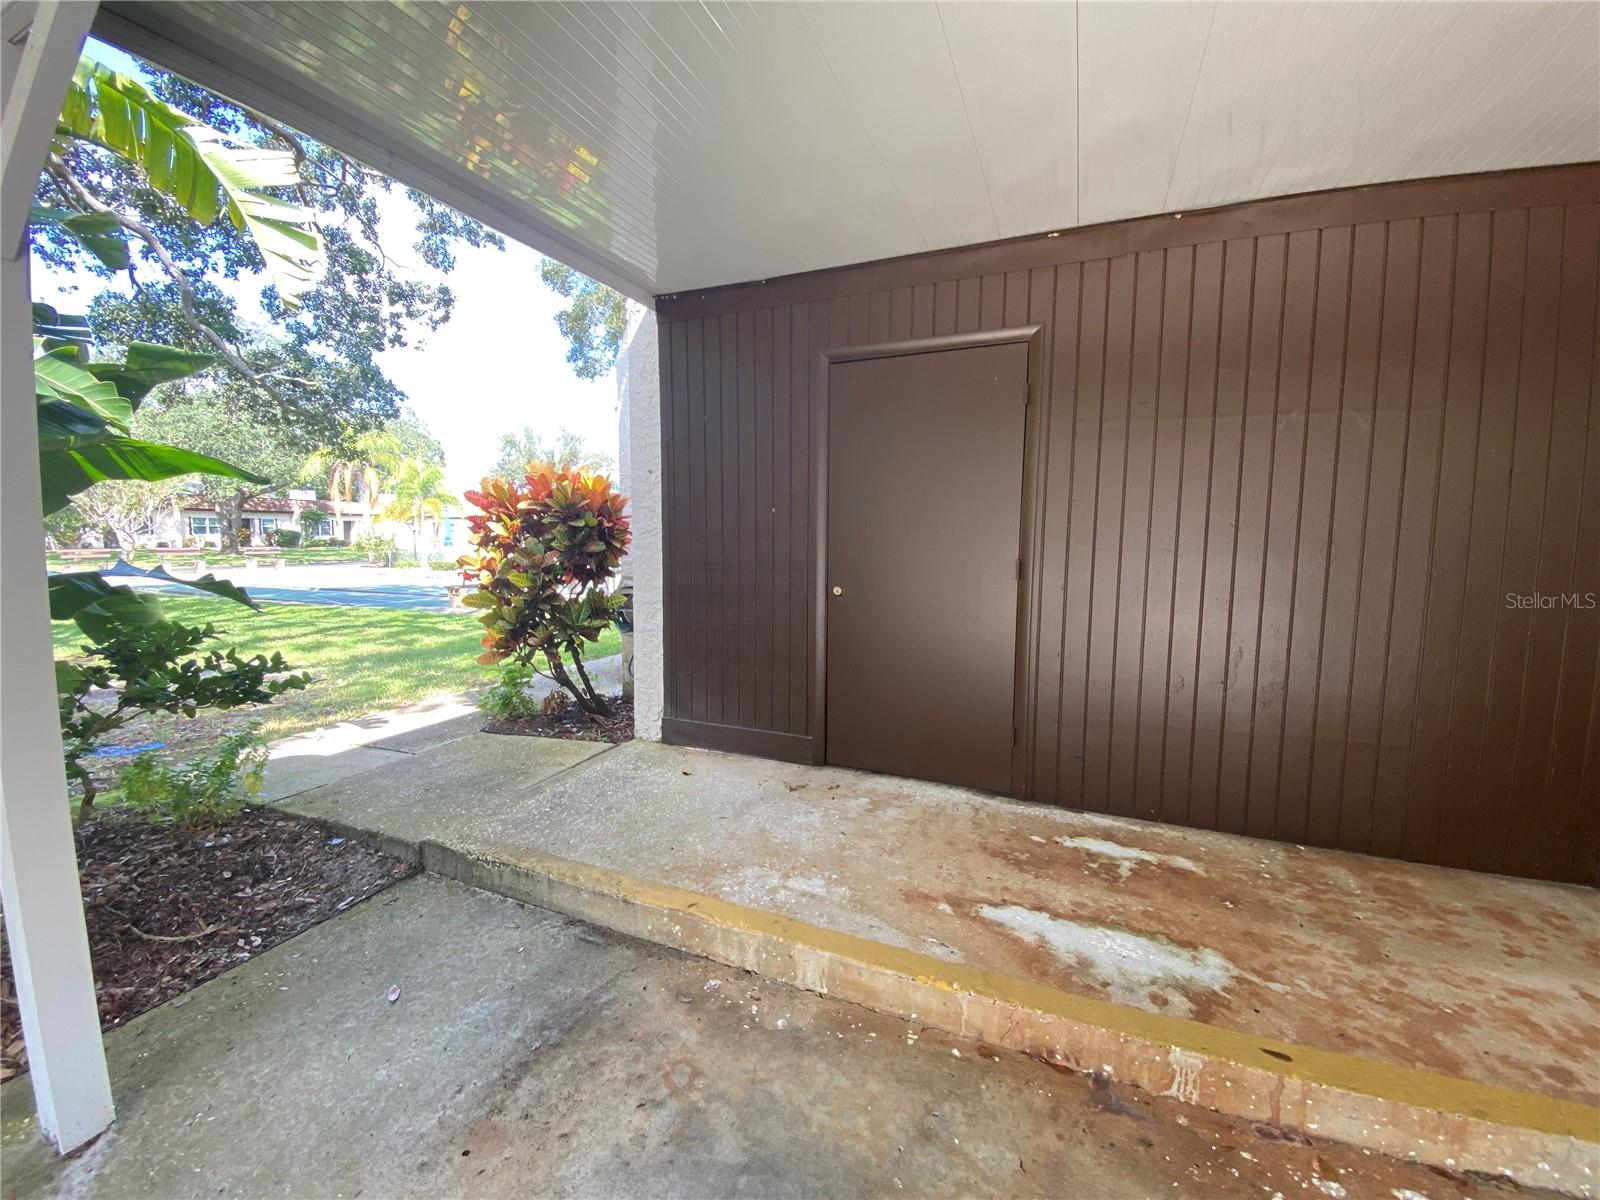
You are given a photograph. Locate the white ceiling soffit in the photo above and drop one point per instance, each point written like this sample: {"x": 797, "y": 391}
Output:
{"x": 668, "y": 147}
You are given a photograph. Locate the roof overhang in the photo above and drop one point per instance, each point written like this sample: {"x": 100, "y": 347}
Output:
{"x": 671, "y": 147}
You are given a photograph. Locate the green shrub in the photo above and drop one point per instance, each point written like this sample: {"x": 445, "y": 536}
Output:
{"x": 286, "y": 537}
{"x": 150, "y": 667}
{"x": 205, "y": 790}
{"x": 376, "y": 546}
{"x": 542, "y": 553}
{"x": 509, "y": 698}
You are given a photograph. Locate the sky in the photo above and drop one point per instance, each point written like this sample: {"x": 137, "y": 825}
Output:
{"x": 498, "y": 365}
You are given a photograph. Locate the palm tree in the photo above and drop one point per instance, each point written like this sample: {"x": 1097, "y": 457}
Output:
{"x": 353, "y": 472}
{"x": 418, "y": 492}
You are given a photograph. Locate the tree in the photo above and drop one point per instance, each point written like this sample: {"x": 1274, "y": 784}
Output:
{"x": 64, "y": 528}
{"x": 418, "y": 492}
{"x": 410, "y": 437}
{"x": 129, "y": 508}
{"x": 141, "y": 172}
{"x": 593, "y": 323}
{"x": 351, "y": 473}
{"x": 348, "y": 479}
{"x": 544, "y": 549}
{"x": 203, "y": 418}
{"x": 518, "y": 451}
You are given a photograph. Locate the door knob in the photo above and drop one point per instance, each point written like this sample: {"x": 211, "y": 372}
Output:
{"x": 837, "y": 590}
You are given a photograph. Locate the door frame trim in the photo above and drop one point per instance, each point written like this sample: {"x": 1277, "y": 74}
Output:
{"x": 1024, "y": 668}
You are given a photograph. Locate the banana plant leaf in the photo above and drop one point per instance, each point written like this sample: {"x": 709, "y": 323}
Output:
{"x": 148, "y": 366}
{"x": 58, "y": 419}
{"x": 84, "y": 411}
{"x": 100, "y": 608}
{"x": 72, "y": 591}
{"x": 105, "y": 611}
{"x": 68, "y": 465}
{"x": 285, "y": 233}
{"x": 98, "y": 233}
{"x": 200, "y": 169}
{"x": 121, "y": 114}
{"x": 58, "y": 376}
{"x": 56, "y": 330}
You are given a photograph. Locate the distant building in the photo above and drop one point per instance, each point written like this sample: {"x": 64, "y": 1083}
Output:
{"x": 196, "y": 521}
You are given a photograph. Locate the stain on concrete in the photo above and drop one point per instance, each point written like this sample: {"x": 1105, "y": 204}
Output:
{"x": 820, "y": 900}
{"x": 1128, "y": 965}
{"x": 1126, "y": 858}
{"x": 1186, "y": 1067}
{"x": 485, "y": 1139}
{"x": 682, "y": 1078}
{"x": 762, "y": 886}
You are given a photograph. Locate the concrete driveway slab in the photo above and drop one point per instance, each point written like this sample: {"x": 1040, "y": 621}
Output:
{"x": 529, "y": 1055}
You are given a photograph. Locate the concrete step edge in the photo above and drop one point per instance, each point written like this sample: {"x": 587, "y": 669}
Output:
{"x": 1454, "y": 1124}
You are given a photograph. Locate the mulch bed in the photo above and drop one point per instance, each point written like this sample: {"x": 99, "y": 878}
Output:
{"x": 168, "y": 907}
{"x": 574, "y": 724}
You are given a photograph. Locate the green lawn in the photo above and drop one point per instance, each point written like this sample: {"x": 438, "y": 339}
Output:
{"x": 363, "y": 659}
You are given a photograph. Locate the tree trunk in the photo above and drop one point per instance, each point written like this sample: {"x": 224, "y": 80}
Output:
{"x": 588, "y": 699}
{"x": 86, "y": 804}
{"x": 228, "y": 517}
{"x": 600, "y": 707}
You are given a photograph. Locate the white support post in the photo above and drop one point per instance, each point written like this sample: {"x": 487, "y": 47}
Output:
{"x": 38, "y": 864}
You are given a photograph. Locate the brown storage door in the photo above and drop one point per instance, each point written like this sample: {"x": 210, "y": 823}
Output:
{"x": 924, "y": 511}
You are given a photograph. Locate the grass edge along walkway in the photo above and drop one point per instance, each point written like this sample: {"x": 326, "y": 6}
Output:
{"x": 363, "y": 659}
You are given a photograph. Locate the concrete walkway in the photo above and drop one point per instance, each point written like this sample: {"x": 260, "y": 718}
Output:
{"x": 530, "y": 1055}
{"x": 1409, "y": 1009}
{"x": 390, "y": 738}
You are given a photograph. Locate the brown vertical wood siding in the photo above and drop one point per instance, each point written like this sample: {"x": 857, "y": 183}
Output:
{"x": 1292, "y": 459}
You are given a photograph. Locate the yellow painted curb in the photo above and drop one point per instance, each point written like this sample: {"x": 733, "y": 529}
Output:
{"x": 1389, "y": 1082}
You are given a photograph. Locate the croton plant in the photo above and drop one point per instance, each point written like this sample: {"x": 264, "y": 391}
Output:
{"x": 544, "y": 549}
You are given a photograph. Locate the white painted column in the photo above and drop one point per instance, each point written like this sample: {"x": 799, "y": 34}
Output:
{"x": 639, "y": 400}
{"x": 38, "y": 863}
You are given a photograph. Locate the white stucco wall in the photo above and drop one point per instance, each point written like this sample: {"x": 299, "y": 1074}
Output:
{"x": 639, "y": 463}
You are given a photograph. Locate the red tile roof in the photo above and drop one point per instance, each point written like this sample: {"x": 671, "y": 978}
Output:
{"x": 262, "y": 504}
